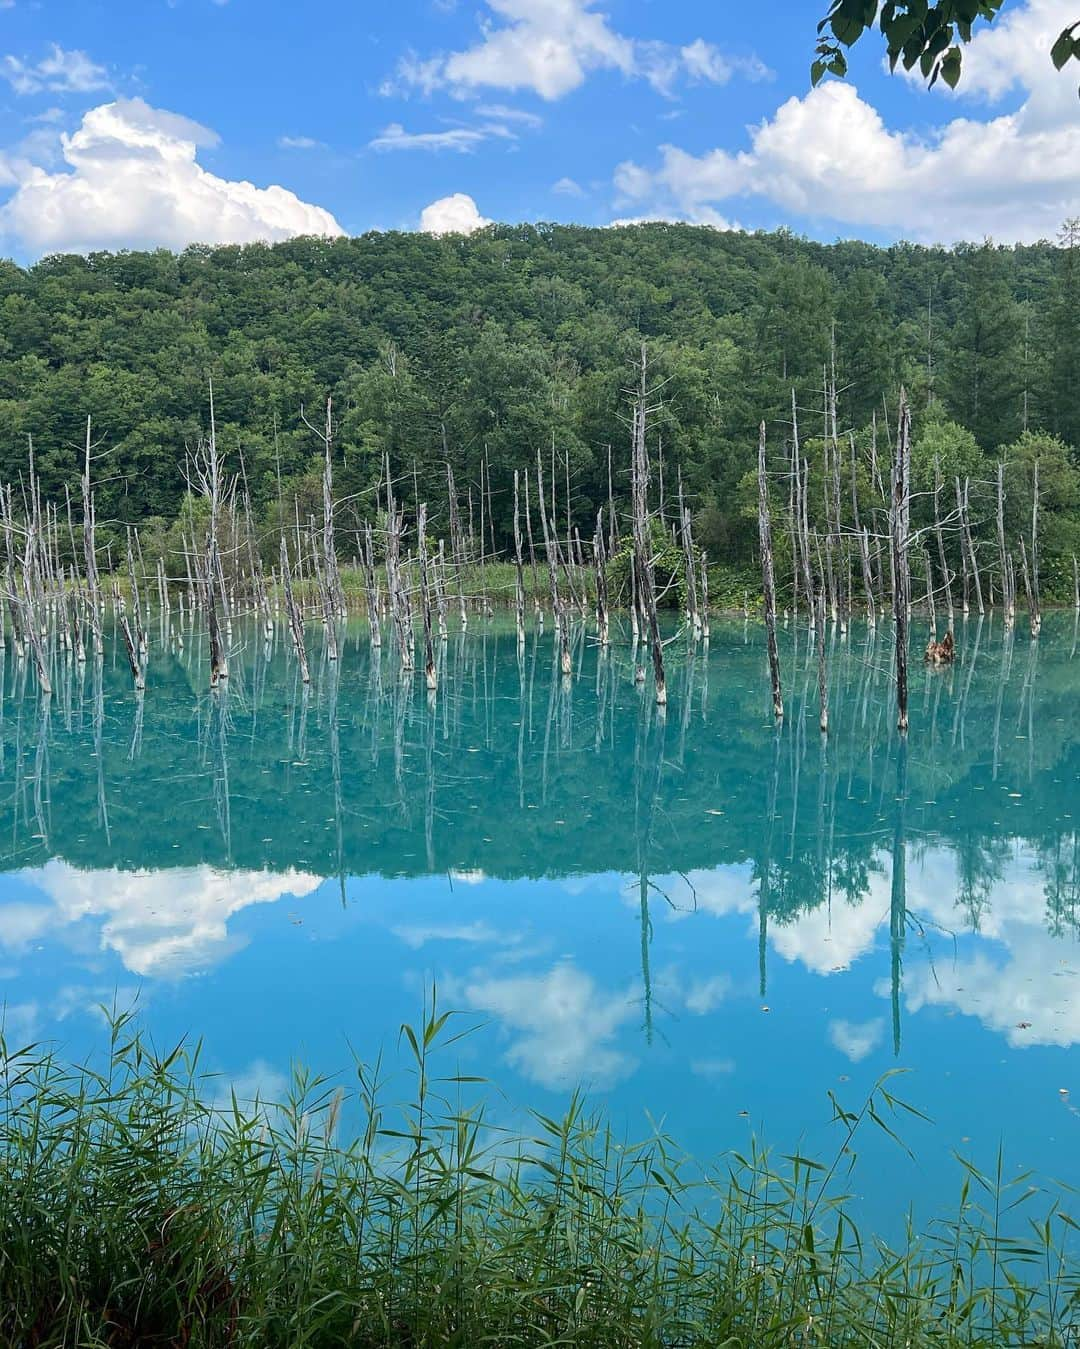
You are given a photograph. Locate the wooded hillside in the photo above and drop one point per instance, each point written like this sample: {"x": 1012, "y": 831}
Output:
{"x": 485, "y": 349}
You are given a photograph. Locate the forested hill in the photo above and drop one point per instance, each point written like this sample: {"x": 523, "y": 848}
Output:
{"x": 488, "y": 347}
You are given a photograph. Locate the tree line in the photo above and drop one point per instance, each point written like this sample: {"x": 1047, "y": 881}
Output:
{"x": 479, "y": 352}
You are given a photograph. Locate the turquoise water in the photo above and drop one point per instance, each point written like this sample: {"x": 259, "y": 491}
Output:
{"x": 703, "y": 920}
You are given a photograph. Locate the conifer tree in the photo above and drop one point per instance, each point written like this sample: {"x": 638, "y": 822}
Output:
{"x": 1063, "y": 355}
{"x": 984, "y": 370}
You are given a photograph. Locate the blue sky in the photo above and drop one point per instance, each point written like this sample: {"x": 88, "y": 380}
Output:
{"x": 137, "y": 122}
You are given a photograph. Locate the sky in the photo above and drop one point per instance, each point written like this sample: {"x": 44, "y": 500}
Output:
{"x": 145, "y": 123}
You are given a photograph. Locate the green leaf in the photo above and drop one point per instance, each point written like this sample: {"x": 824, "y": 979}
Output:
{"x": 950, "y": 67}
{"x": 1065, "y": 48}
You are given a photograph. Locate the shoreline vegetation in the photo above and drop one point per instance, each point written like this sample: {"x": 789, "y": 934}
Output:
{"x": 141, "y": 1203}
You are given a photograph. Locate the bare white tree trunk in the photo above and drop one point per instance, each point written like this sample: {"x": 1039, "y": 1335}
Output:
{"x": 768, "y": 577}
{"x": 900, "y": 516}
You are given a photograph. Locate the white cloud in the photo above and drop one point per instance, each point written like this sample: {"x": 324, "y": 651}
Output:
{"x": 299, "y": 143}
{"x": 566, "y": 187}
{"x": 61, "y": 72}
{"x": 158, "y": 922}
{"x": 260, "y": 1083}
{"x": 133, "y": 181}
{"x": 856, "y": 1039}
{"x": 477, "y": 933}
{"x": 395, "y": 137}
{"x": 1019, "y": 980}
{"x": 831, "y": 937}
{"x": 830, "y": 156}
{"x": 561, "y": 1024}
{"x": 1013, "y": 54}
{"x": 500, "y": 112}
{"x": 456, "y": 214}
{"x": 550, "y": 47}
{"x": 1028, "y": 995}
{"x": 704, "y": 62}
{"x": 705, "y": 995}
{"x": 21, "y": 924}
{"x": 18, "y": 1024}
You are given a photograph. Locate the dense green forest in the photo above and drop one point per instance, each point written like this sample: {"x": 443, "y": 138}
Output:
{"x": 481, "y": 350}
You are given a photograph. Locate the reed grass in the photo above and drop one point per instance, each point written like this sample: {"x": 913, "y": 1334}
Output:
{"x": 138, "y": 1209}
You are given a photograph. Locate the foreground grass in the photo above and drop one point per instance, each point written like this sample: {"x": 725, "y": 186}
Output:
{"x": 138, "y": 1209}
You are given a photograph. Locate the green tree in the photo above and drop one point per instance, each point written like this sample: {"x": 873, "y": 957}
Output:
{"x": 1063, "y": 340}
{"x": 865, "y": 344}
{"x": 983, "y": 375}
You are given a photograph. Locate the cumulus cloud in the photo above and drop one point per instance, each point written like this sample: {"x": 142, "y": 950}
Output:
{"x": 567, "y": 187}
{"x": 829, "y": 155}
{"x": 560, "y": 1024}
{"x": 132, "y": 180}
{"x": 456, "y": 214}
{"x": 1019, "y": 980}
{"x": 61, "y": 72}
{"x": 1028, "y": 995}
{"x": 1012, "y": 54}
{"x": 159, "y": 923}
{"x": 550, "y": 47}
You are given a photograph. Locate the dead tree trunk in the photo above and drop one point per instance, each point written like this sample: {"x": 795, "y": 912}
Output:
{"x": 962, "y": 506}
{"x": 930, "y": 606}
{"x": 1036, "y": 613}
{"x": 90, "y": 548}
{"x": 431, "y": 677}
{"x": 296, "y": 621}
{"x": 519, "y": 578}
{"x": 371, "y": 588}
{"x": 899, "y": 518}
{"x": 940, "y": 538}
{"x": 643, "y": 561}
{"x": 532, "y": 555}
{"x": 868, "y": 577}
{"x": 686, "y": 532}
{"x": 132, "y": 654}
{"x": 823, "y": 677}
{"x": 400, "y": 609}
{"x": 802, "y": 529}
{"x": 768, "y": 577}
{"x": 457, "y": 544}
{"x": 1008, "y": 597}
{"x": 136, "y": 601}
{"x": 558, "y": 609}
{"x": 32, "y": 624}
{"x": 600, "y": 559}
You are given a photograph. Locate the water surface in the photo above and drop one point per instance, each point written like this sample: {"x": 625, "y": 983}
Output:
{"x": 701, "y": 918}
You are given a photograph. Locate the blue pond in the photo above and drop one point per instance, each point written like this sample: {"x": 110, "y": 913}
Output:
{"x": 707, "y": 922}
